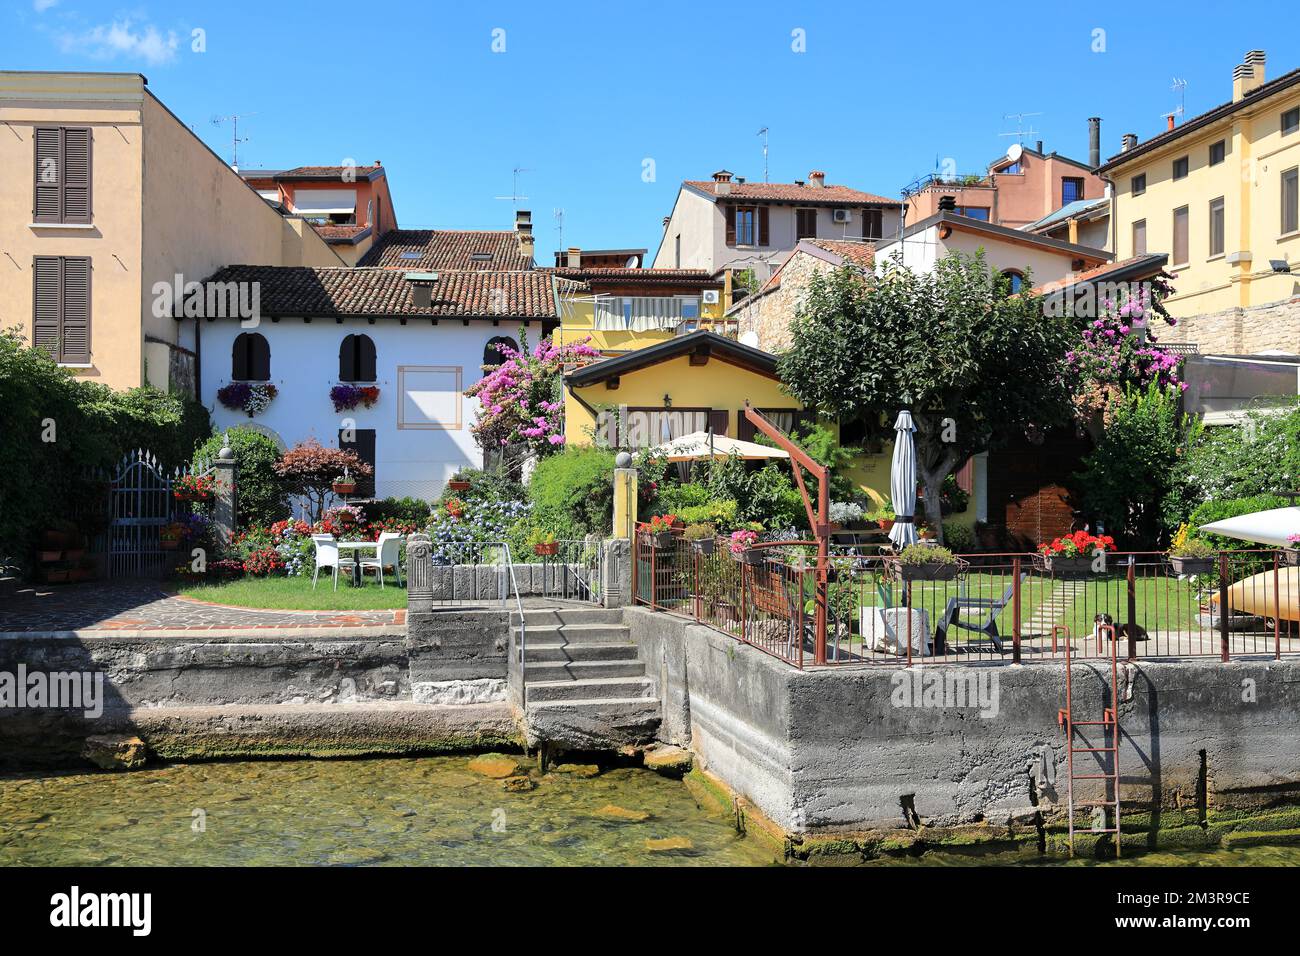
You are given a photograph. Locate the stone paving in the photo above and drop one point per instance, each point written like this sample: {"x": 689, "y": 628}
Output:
{"x": 145, "y": 606}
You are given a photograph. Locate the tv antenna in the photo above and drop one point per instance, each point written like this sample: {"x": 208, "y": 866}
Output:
{"x": 558, "y": 213}
{"x": 233, "y": 119}
{"x": 514, "y": 196}
{"x": 1020, "y": 132}
{"x": 763, "y": 133}
{"x": 1179, "y": 86}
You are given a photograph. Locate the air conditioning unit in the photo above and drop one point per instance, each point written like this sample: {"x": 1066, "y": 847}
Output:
{"x": 841, "y": 215}
{"x": 710, "y": 296}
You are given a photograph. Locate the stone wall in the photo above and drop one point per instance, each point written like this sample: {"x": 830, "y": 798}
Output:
{"x": 1274, "y": 326}
{"x": 770, "y": 315}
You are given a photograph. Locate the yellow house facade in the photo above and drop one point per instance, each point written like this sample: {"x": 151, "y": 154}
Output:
{"x": 1220, "y": 194}
{"x": 112, "y": 197}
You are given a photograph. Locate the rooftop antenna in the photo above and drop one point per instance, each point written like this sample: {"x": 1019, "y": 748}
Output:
{"x": 1020, "y": 132}
{"x": 763, "y": 133}
{"x": 1179, "y": 86}
{"x": 233, "y": 119}
{"x": 559, "y": 226}
{"x": 514, "y": 196}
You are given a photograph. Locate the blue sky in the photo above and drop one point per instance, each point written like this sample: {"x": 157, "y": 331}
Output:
{"x": 584, "y": 98}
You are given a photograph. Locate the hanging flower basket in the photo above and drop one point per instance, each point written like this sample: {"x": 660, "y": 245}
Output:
{"x": 659, "y": 540}
{"x": 346, "y": 397}
{"x": 546, "y": 549}
{"x": 750, "y": 556}
{"x": 344, "y": 487}
{"x": 194, "y": 488}
{"x": 1072, "y": 555}
{"x": 940, "y": 568}
{"x": 251, "y": 398}
{"x": 1291, "y": 557}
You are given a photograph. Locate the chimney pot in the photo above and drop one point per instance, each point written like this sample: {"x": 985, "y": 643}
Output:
{"x": 722, "y": 176}
{"x": 1248, "y": 75}
{"x": 1169, "y": 121}
{"x": 1094, "y": 141}
{"x": 816, "y": 179}
{"x": 574, "y": 258}
{"x": 1129, "y": 142}
{"x": 1040, "y": 146}
{"x": 667, "y": 220}
{"x": 947, "y": 203}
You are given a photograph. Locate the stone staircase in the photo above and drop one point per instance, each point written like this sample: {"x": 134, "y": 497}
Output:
{"x": 585, "y": 687}
{"x": 1054, "y": 608}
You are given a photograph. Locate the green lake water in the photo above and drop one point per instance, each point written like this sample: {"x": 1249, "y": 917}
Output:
{"x": 417, "y": 811}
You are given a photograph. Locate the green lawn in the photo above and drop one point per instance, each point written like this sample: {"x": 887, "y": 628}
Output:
{"x": 297, "y": 594}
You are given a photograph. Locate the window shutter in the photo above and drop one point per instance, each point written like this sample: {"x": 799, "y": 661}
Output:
{"x": 367, "y": 359}
{"x": 718, "y": 420}
{"x": 76, "y": 311}
{"x": 744, "y": 427}
{"x": 762, "y": 225}
{"x": 76, "y": 175}
{"x": 47, "y": 304}
{"x": 730, "y": 212}
{"x": 239, "y": 358}
{"x": 48, "y": 183}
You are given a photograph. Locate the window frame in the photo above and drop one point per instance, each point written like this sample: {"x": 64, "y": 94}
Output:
{"x": 799, "y": 215}
{"x": 1222, "y": 146}
{"x": 1293, "y": 112}
{"x": 248, "y": 364}
{"x": 1076, "y": 181}
{"x": 1133, "y": 187}
{"x": 1217, "y": 210}
{"x": 1187, "y": 168}
{"x": 63, "y": 219}
{"x": 749, "y": 213}
{"x": 61, "y": 355}
{"x": 873, "y": 215}
{"x": 359, "y": 360}
{"x": 1133, "y": 234}
{"x": 1187, "y": 238}
{"x": 1294, "y": 174}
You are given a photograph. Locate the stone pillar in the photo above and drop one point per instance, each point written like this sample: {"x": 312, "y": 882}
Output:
{"x": 419, "y": 574}
{"x": 616, "y": 571}
{"x": 225, "y": 478}
{"x": 625, "y": 495}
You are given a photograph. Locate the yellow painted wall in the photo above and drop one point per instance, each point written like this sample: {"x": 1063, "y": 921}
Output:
{"x": 579, "y": 319}
{"x": 1249, "y": 180}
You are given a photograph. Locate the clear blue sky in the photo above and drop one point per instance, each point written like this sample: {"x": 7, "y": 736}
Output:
{"x": 585, "y": 93}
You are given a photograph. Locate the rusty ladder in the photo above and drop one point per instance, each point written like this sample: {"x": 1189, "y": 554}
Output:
{"x": 1109, "y": 725}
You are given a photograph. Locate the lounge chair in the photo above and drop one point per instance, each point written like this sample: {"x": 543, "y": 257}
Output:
{"x": 992, "y": 608}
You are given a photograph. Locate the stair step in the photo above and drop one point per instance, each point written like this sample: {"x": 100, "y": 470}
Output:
{"x": 545, "y": 672}
{"x": 586, "y": 690}
{"x": 578, "y": 634}
{"x": 594, "y": 703}
{"x": 549, "y": 651}
{"x": 553, "y": 617}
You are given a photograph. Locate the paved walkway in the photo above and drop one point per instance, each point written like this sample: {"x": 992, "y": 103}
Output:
{"x": 144, "y": 606}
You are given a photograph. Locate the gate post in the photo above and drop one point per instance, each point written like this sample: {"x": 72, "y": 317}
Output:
{"x": 225, "y": 475}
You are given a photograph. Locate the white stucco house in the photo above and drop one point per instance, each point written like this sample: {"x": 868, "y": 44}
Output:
{"x": 419, "y": 337}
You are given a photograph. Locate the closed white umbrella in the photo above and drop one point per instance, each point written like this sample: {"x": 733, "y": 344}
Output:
{"x": 1270, "y": 527}
{"x": 902, "y": 482}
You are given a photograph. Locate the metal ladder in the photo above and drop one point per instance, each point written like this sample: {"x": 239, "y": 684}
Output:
{"x": 1109, "y": 724}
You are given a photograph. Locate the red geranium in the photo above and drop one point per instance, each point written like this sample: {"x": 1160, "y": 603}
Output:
{"x": 1077, "y": 545}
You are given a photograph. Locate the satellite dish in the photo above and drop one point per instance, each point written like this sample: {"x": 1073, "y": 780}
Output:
{"x": 1014, "y": 152}
{"x": 633, "y": 262}
{"x": 750, "y": 339}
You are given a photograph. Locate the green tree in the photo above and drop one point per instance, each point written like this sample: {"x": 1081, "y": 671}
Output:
{"x": 974, "y": 364}
{"x": 260, "y": 493}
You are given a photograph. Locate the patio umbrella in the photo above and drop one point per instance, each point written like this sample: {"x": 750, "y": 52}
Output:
{"x": 1270, "y": 527}
{"x": 902, "y": 482}
{"x": 699, "y": 445}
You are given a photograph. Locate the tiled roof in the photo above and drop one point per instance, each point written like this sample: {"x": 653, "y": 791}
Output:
{"x": 327, "y": 172}
{"x": 336, "y": 233}
{"x": 310, "y": 291}
{"x": 447, "y": 249}
{"x": 859, "y": 253}
{"x": 1285, "y": 81}
{"x": 794, "y": 193}
{"x": 1134, "y": 267}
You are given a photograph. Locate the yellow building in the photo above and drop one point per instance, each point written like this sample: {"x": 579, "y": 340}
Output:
{"x": 115, "y": 199}
{"x": 1219, "y": 193}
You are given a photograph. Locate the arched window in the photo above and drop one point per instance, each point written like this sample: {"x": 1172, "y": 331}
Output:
{"x": 1016, "y": 280}
{"x": 357, "y": 359}
{"x": 492, "y": 356}
{"x": 250, "y": 359}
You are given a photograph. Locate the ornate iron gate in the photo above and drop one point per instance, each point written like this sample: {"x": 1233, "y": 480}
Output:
{"x": 141, "y": 504}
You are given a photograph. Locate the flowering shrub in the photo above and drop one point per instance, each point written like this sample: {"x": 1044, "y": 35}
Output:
{"x": 309, "y": 470}
{"x": 1080, "y": 544}
{"x": 742, "y": 541}
{"x": 661, "y": 523}
{"x": 1293, "y": 540}
{"x": 521, "y": 399}
{"x": 347, "y": 397}
{"x": 263, "y": 562}
{"x": 194, "y": 488}
{"x": 248, "y": 397}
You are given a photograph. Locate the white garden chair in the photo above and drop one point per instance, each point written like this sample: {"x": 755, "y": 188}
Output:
{"x": 328, "y": 556}
{"x": 387, "y": 555}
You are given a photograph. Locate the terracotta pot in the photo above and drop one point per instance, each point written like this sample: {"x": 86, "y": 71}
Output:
{"x": 344, "y": 487}
{"x": 458, "y": 485}
{"x": 885, "y": 524}
{"x": 546, "y": 548}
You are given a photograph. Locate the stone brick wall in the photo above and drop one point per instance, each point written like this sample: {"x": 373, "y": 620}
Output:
{"x": 1273, "y": 326}
{"x": 770, "y": 315}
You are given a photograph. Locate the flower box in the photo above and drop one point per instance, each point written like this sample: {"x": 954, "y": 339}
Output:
{"x": 1291, "y": 557}
{"x": 458, "y": 485}
{"x": 927, "y": 571}
{"x": 1182, "y": 565}
{"x": 750, "y": 556}
{"x": 1065, "y": 567}
{"x": 704, "y": 546}
{"x": 344, "y": 487}
{"x": 659, "y": 540}
{"x": 545, "y": 549}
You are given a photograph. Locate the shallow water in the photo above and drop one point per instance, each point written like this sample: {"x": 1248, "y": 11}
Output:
{"x": 421, "y": 811}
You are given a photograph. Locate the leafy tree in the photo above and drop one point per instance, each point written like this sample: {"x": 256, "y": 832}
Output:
{"x": 309, "y": 468}
{"x": 974, "y": 364}
{"x": 260, "y": 494}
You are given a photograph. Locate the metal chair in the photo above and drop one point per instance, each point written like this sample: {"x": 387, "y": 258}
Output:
{"x": 328, "y": 556}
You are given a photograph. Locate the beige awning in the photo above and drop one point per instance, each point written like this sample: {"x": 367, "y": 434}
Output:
{"x": 698, "y": 445}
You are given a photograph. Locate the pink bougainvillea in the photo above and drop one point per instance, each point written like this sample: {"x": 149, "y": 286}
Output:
{"x": 521, "y": 399}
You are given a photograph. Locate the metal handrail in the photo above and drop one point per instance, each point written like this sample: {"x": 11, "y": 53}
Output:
{"x": 523, "y": 627}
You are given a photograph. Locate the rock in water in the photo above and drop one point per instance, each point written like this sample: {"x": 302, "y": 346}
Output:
{"x": 520, "y": 784}
{"x": 612, "y": 812}
{"x": 577, "y": 769}
{"x": 496, "y": 766}
{"x": 671, "y": 761}
{"x": 115, "y": 751}
{"x": 669, "y": 844}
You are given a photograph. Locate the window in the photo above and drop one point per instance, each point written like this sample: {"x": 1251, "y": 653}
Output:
{"x": 873, "y": 223}
{"x": 1071, "y": 189}
{"x": 492, "y": 356}
{"x": 1291, "y": 121}
{"x": 1140, "y": 238}
{"x": 1216, "y": 226}
{"x": 805, "y": 223}
{"x": 61, "y": 307}
{"x": 1291, "y": 200}
{"x": 357, "y": 359}
{"x": 1180, "y": 168}
{"x": 1012, "y": 170}
{"x": 362, "y": 442}
{"x": 250, "y": 359}
{"x": 1181, "y": 221}
{"x": 430, "y": 397}
{"x": 62, "y": 174}
{"x": 973, "y": 212}
{"x": 1138, "y": 184}
{"x": 746, "y": 225}
{"x": 1016, "y": 280}
{"x": 1217, "y": 152}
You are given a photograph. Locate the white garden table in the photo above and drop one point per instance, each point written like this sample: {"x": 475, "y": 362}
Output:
{"x": 356, "y": 547}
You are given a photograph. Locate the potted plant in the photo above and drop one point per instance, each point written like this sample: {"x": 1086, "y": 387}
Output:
{"x": 544, "y": 543}
{"x": 658, "y": 531}
{"x": 884, "y": 517}
{"x": 742, "y": 547}
{"x": 702, "y": 536}
{"x": 346, "y": 397}
{"x": 925, "y": 562}
{"x": 844, "y": 514}
{"x": 251, "y": 398}
{"x": 458, "y": 483}
{"x": 1188, "y": 555}
{"x": 194, "y": 488}
{"x": 1073, "y": 554}
{"x": 344, "y": 484}
{"x": 1292, "y": 554}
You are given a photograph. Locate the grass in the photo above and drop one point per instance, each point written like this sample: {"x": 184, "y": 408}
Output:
{"x": 297, "y": 594}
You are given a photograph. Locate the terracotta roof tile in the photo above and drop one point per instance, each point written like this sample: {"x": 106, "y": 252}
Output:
{"x": 333, "y": 232}
{"x": 447, "y": 249}
{"x": 326, "y": 172}
{"x": 859, "y": 253}
{"x": 635, "y": 276}
{"x": 794, "y": 193}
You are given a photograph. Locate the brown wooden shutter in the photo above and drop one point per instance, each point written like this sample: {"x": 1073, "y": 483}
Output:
{"x": 718, "y": 420}
{"x": 47, "y": 304}
{"x": 239, "y": 358}
{"x": 745, "y": 430}
{"x": 762, "y": 225}
{"x": 730, "y": 212}
{"x": 76, "y": 175}
{"x": 47, "y": 204}
{"x": 76, "y": 310}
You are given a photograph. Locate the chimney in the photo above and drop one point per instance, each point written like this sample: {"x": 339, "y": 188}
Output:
{"x": 1040, "y": 147}
{"x": 667, "y": 220}
{"x": 816, "y": 179}
{"x": 524, "y": 232}
{"x": 1169, "y": 121}
{"x": 1248, "y": 76}
{"x": 1094, "y": 141}
{"x": 947, "y": 203}
{"x": 1130, "y": 141}
{"x": 722, "y": 183}
{"x": 574, "y": 258}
